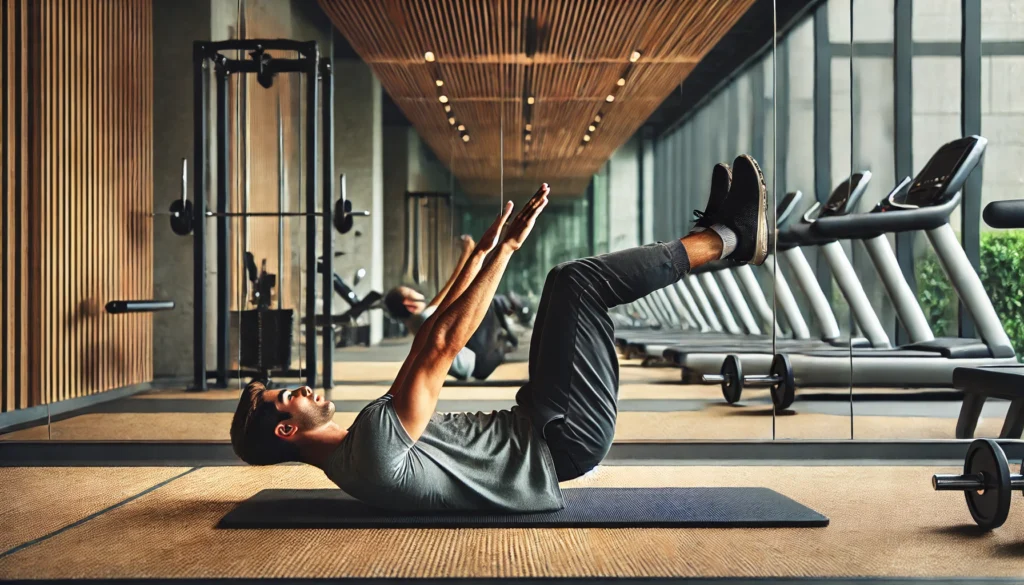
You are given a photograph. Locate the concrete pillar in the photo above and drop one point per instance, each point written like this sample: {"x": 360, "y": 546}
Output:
{"x": 624, "y": 197}
{"x": 647, "y": 168}
{"x": 175, "y": 26}
{"x": 358, "y": 151}
{"x": 395, "y": 182}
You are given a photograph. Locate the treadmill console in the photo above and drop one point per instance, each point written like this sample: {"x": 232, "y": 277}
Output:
{"x": 842, "y": 200}
{"x": 941, "y": 178}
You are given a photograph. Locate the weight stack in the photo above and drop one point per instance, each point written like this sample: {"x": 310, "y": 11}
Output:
{"x": 274, "y": 335}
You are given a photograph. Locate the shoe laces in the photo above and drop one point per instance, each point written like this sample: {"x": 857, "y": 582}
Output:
{"x": 700, "y": 217}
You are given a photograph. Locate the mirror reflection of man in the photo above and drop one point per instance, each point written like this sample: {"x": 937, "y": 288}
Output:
{"x": 485, "y": 350}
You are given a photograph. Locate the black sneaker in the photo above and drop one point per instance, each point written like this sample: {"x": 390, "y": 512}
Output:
{"x": 745, "y": 213}
{"x": 721, "y": 178}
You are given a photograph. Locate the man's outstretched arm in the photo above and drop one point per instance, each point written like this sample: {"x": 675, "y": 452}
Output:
{"x": 468, "y": 247}
{"x": 416, "y": 392}
{"x": 462, "y": 279}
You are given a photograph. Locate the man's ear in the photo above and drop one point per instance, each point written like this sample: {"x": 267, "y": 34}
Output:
{"x": 286, "y": 431}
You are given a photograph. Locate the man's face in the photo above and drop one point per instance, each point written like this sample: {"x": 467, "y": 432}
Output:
{"x": 309, "y": 411}
{"x": 414, "y": 302}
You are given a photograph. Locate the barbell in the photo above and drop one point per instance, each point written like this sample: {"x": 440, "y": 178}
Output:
{"x": 182, "y": 212}
{"x": 986, "y": 482}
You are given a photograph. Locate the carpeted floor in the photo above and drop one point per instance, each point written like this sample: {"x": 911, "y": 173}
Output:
{"x": 885, "y": 521}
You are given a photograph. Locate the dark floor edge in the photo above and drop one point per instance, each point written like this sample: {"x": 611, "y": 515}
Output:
{"x": 544, "y": 581}
{"x": 215, "y": 454}
{"x": 17, "y": 419}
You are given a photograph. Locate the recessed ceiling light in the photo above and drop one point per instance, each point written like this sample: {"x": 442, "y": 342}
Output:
{"x": 444, "y": 99}
{"x": 530, "y": 100}
{"x": 429, "y": 57}
{"x": 465, "y": 137}
{"x": 440, "y": 83}
{"x": 462, "y": 127}
{"x": 610, "y": 98}
{"x": 621, "y": 81}
{"x": 634, "y": 57}
{"x": 586, "y": 138}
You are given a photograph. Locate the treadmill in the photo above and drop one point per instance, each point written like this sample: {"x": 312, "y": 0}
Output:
{"x": 922, "y": 204}
{"x": 653, "y": 343}
{"x": 698, "y": 361}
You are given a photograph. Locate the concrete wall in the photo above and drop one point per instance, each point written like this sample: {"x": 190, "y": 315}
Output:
{"x": 358, "y": 152}
{"x": 175, "y": 25}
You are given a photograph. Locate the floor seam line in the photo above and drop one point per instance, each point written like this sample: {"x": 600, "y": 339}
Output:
{"x": 97, "y": 514}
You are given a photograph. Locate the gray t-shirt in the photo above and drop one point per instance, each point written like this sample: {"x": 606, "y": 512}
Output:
{"x": 463, "y": 461}
{"x": 465, "y": 361}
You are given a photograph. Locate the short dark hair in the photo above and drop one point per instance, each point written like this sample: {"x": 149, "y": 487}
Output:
{"x": 394, "y": 302}
{"x": 252, "y": 429}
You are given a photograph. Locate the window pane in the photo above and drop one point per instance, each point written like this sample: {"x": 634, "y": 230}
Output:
{"x": 1002, "y": 123}
{"x": 936, "y": 121}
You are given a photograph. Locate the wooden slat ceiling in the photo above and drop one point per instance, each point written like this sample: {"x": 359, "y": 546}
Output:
{"x": 492, "y": 55}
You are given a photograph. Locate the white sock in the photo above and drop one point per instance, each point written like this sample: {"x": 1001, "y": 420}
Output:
{"x": 728, "y": 239}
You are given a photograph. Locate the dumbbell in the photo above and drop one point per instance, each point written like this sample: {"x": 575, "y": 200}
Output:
{"x": 986, "y": 482}
{"x": 779, "y": 379}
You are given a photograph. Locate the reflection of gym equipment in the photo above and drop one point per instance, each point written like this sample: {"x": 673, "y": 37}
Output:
{"x": 265, "y": 334}
{"x": 119, "y": 307}
{"x": 346, "y": 331}
{"x": 986, "y": 482}
{"x": 423, "y": 213}
{"x": 318, "y": 77}
{"x": 923, "y": 204}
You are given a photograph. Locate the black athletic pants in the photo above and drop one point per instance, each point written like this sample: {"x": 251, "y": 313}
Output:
{"x": 574, "y": 370}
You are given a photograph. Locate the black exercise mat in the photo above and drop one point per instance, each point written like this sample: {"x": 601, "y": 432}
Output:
{"x": 585, "y": 507}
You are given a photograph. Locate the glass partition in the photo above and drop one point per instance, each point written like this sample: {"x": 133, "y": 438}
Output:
{"x": 927, "y": 74}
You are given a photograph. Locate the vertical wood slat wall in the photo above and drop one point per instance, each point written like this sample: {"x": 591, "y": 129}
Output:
{"x": 77, "y": 197}
{"x": 14, "y": 217}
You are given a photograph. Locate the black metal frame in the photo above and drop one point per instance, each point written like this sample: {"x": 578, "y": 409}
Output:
{"x": 970, "y": 124}
{"x": 316, "y": 70}
{"x": 822, "y": 129}
{"x": 903, "y": 132}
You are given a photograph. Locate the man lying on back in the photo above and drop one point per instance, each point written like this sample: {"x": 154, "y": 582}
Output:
{"x": 400, "y": 454}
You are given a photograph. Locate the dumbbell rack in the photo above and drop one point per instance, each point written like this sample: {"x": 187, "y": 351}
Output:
{"x": 318, "y": 77}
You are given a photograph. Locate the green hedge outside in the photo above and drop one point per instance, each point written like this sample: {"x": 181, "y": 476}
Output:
{"x": 1002, "y": 275}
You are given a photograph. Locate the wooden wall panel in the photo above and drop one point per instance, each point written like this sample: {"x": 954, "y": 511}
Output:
{"x": 14, "y": 221}
{"x": 77, "y": 197}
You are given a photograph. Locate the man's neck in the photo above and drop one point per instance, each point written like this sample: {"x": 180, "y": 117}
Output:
{"x": 319, "y": 448}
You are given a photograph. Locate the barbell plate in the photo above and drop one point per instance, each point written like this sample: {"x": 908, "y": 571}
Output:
{"x": 784, "y": 391}
{"x": 991, "y": 506}
{"x": 181, "y": 217}
{"x": 732, "y": 382}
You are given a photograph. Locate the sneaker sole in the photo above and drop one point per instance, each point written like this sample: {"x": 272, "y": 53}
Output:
{"x": 761, "y": 242}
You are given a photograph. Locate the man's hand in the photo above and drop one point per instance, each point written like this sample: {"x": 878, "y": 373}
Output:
{"x": 522, "y": 225}
{"x": 490, "y": 238}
